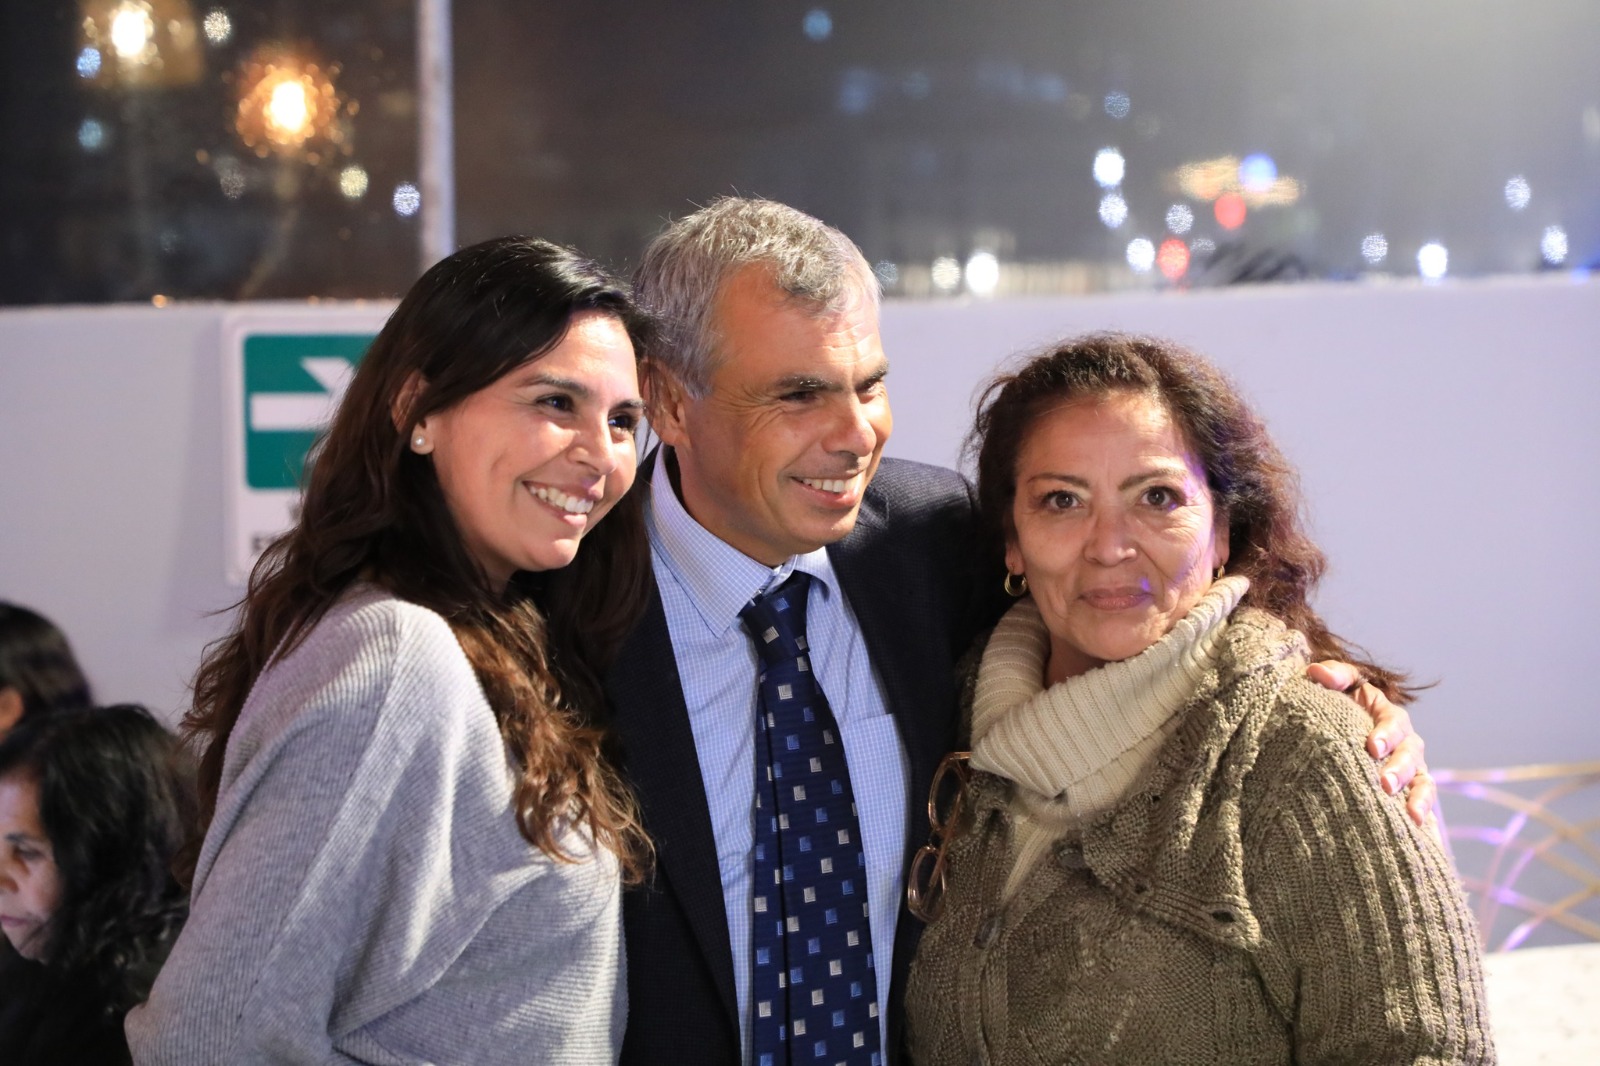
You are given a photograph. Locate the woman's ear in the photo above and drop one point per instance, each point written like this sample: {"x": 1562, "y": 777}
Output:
{"x": 1013, "y": 555}
{"x": 1221, "y": 540}
{"x": 404, "y": 403}
{"x": 10, "y": 709}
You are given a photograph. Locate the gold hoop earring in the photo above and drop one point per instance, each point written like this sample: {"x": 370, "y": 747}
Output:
{"x": 1015, "y": 591}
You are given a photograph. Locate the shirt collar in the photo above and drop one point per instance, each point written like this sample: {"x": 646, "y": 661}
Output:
{"x": 719, "y": 578}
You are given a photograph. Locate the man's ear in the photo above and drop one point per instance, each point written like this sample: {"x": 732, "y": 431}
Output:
{"x": 10, "y": 709}
{"x": 666, "y": 403}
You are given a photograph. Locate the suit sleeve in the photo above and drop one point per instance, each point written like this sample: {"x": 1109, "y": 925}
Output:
{"x": 1370, "y": 950}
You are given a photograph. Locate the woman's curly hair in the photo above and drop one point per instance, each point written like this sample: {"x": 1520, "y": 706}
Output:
{"x": 1250, "y": 480}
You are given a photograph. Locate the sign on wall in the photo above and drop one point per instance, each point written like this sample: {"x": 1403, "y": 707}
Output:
{"x": 286, "y": 373}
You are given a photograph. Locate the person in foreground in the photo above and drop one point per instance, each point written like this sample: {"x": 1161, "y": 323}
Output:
{"x": 413, "y": 843}
{"x": 1173, "y": 847}
{"x": 93, "y": 805}
{"x": 775, "y": 519}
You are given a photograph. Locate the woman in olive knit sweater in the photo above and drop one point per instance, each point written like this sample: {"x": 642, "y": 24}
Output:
{"x": 1170, "y": 847}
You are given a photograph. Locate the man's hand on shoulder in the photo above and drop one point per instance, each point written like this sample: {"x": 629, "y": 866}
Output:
{"x": 1392, "y": 738}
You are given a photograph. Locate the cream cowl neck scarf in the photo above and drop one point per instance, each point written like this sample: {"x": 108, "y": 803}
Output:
{"x": 1074, "y": 749}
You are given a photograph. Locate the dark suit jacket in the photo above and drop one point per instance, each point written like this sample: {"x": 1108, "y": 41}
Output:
{"x": 909, "y": 571}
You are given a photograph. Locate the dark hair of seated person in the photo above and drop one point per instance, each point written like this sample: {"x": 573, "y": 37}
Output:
{"x": 38, "y": 672}
{"x": 115, "y": 794}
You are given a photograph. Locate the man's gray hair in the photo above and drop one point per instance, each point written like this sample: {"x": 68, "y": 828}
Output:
{"x": 686, "y": 266}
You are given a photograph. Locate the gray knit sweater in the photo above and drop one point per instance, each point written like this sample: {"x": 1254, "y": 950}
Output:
{"x": 1255, "y": 898}
{"x": 363, "y": 894}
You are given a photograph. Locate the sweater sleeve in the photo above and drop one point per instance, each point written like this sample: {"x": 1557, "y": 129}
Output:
{"x": 1369, "y": 949}
{"x": 325, "y": 893}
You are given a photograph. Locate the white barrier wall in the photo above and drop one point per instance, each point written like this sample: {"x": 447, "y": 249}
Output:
{"x": 1446, "y": 436}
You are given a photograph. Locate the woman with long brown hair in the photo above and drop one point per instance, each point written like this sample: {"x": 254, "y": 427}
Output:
{"x": 412, "y": 840}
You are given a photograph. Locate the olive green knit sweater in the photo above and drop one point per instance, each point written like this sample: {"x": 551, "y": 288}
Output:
{"x": 1254, "y": 899}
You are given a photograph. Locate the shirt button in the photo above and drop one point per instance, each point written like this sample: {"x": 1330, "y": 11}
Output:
{"x": 987, "y": 932}
{"x": 1071, "y": 857}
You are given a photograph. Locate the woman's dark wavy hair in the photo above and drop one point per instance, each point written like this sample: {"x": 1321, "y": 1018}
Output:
{"x": 37, "y": 661}
{"x": 373, "y": 511}
{"x": 1250, "y": 480}
{"x": 116, "y": 793}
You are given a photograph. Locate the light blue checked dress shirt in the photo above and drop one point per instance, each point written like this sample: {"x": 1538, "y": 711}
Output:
{"x": 704, "y": 582}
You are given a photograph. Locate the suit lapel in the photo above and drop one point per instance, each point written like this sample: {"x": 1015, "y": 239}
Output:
{"x": 660, "y": 762}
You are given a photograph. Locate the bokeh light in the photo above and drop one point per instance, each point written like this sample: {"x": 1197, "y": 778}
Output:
{"x": 1257, "y": 173}
{"x": 1118, "y": 105}
{"x": 1553, "y": 245}
{"x": 983, "y": 274}
{"x": 818, "y": 24}
{"x": 1109, "y": 167}
{"x": 230, "y": 176}
{"x": 1229, "y": 210}
{"x": 1173, "y": 258}
{"x": 407, "y": 199}
{"x": 218, "y": 26}
{"x": 91, "y": 135}
{"x": 946, "y": 274}
{"x": 132, "y": 27}
{"x": 353, "y": 182}
{"x": 1518, "y": 193}
{"x": 1201, "y": 246}
{"x": 1433, "y": 260}
{"x": 1374, "y": 248}
{"x": 1141, "y": 255}
{"x": 888, "y": 273}
{"x": 1113, "y": 210}
{"x": 285, "y": 103}
{"x": 1179, "y": 218}
{"x": 88, "y": 62}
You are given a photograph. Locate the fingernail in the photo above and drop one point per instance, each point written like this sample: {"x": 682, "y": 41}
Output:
{"x": 1391, "y": 784}
{"x": 1382, "y": 744}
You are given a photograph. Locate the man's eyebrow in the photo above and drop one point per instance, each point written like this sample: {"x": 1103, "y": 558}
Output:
{"x": 816, "y": 383}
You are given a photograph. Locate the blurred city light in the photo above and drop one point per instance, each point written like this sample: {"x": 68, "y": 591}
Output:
{"x": 1518, "y": 193}
{"x": 1141, "y": 255}
{"x": 353, "y": 182}
{"x": 1374, "y": 248}
{"x": 1208, "y": 179}
{"x": 1109, "y": 167}
{"x": 1173, "y": 258}
{"x": 983, "y": 274}
{"x": 946, "y": 274}
{"x": 1553, "y": 245}
{"x": 857, "y": 86}
{"x": 132, "y": 27}
{"x": 818, "y": 24}
{"x": 1179, "y": 218}
{"x": 888, "y": 273}
{"x": 91, "y": 135}
{"x": 1257, "y": 173}
{"x": 285, "y": 103}
{"x": 1118, "y": 105}
{"x": 1433, "y": 260}
{"x": 1113, "y": 210}
{"x": 1229, "y": 210}
{"x": 218, "y": 26}
{"x": 1201, "y": 246}
{"x": 154, "y": 42}
{"x": 230, "y": 176}
{"x": 407, "y": 200}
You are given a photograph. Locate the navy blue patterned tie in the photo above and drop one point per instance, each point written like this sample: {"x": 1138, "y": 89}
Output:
{"x": 812, "y": 987}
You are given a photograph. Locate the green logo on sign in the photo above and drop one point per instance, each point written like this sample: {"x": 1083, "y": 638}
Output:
{"x": 292, "y": 383}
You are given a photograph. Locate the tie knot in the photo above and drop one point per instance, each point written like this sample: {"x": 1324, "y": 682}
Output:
{"x": 777, "y": 620}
